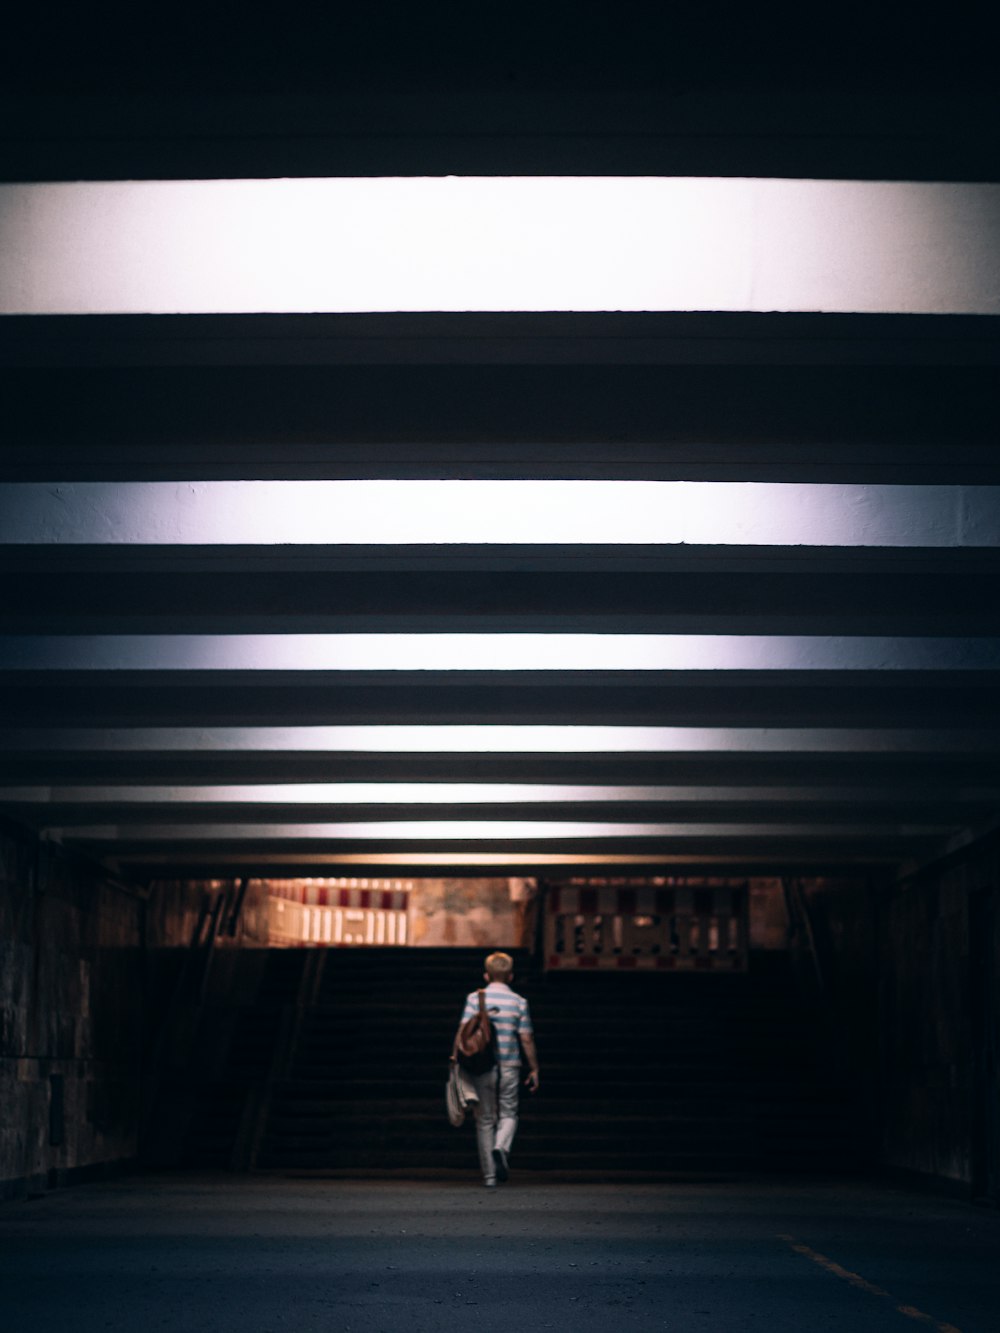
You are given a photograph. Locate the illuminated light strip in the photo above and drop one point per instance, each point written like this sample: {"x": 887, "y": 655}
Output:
{"x": 494, "y": 652}
{"x": 499, "y": 243}
{"x": 862, "y": 1284}
{"x": 330, "y": 860}
{"x": 500, "y": 739}
{"x": 436, "y": 512}
{"x": 481, "y": 830}
{"x": 476, "y": 793}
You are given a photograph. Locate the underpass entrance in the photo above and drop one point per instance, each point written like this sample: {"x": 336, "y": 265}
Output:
{"x": 623, "y": 923}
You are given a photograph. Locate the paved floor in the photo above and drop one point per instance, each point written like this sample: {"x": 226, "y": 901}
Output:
{"x": 269, "y": 1253}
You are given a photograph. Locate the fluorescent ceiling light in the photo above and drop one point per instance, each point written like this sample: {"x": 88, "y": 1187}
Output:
{"x": 392, "y": 512}
{"x": 474, "y": 793}
{"x": 500, "y": 739}
{"x": 283, "y": 860}
{"x": 535, "y": 243}
{"x": 494, "y": 652}
{"x": 415, "y": 830}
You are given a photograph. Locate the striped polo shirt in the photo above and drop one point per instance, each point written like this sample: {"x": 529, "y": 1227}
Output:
{"x": 509, "y": 1015}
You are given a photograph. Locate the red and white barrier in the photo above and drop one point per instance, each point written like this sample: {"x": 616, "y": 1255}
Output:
{"x": 339, "y": 914}
{"x": 317, "y": 895}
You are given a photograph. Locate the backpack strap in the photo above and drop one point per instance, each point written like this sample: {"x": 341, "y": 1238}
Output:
{"x": 493, "y": 1031}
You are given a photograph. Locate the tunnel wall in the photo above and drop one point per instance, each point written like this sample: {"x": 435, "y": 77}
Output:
{"x": 466, "y": 913}
{"x": 70, "y": 1018}
{"x": 197, "y": 984}
{"x": 107, "y": 1012}
{"x": 938, "y": 992}
{"x": 912, "y": 973}
{"x": 844, "y": 912}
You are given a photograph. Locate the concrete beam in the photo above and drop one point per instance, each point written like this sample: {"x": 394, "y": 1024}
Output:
{"x": 968, "y": 769}
{"x": 761, "y": 856}
{"x": 473, "y": 341}
{"x": 886, "y": 700}
{"x": 942, "y": 131}
{"x": 610, "y": 243}
{"x": 791, "y": 427}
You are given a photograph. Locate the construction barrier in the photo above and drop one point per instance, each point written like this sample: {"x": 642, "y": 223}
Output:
{"x": 339, "y": 913}
{"x": 679, "y": 925}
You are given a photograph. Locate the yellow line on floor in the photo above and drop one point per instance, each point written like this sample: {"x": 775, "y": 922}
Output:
{"x": 856, "y": 1280}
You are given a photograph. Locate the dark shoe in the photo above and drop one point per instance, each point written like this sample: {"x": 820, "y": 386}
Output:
{"x": 500, "y": 1162}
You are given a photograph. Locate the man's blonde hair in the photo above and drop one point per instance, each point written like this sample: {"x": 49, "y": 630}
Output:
{"x": 499, "y": 966}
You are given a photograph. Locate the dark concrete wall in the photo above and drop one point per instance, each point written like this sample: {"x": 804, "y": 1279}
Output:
{"x": 196, "y": 986}
{"x": 108, "y": 1015}
{"x": 844, "y": 913}
{"x": 938, "y": 994}
{"x": 70, "y": 1018}
{"x": 912, "y": 973}
{"x": 467, "y": 913}
{"x": 175, "y": 906}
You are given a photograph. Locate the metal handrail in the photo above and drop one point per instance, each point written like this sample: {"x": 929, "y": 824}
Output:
{"x": 213, "y": 920}
{"x": 808, "y": 965}
{"x": 800, "y": 931}
{"x": 257, "y": 1105}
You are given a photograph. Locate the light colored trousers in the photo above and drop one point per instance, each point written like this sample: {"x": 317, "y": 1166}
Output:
{"x": 496, "y": 1114}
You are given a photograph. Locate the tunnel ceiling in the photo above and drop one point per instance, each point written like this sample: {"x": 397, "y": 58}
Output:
{"x": 306, "y": 588}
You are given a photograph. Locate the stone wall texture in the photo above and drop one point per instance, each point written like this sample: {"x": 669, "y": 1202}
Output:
{"x": 938, "y": 988}
{"x": 467, "y": 913}
{"x": 912, "y": 973}
{"x": 109, "y": 1009}
{"x": 70, "y": 1018}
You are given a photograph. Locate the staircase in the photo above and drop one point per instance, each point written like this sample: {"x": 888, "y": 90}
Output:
{"x": 366, "y": 1085}
{"x": 676, "y": 1075}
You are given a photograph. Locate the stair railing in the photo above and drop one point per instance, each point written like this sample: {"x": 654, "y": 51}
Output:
{"x": 808, "y": 966}
{"x": 534, "y": 940}
{"x": 257, "y": 1107}
{"x": 801, "y": 937}
{"x": 219, "y": 913}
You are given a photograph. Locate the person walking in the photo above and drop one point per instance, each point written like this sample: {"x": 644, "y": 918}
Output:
{"x": 498, "y": 1089}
